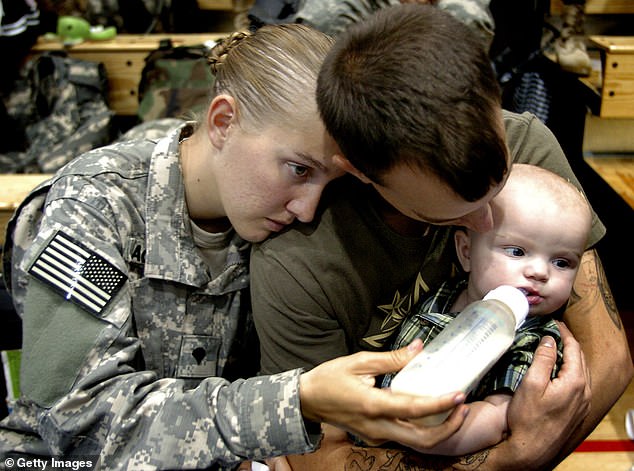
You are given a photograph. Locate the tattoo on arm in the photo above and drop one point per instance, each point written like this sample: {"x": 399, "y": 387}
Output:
{"x": 378, "y": 459}
{"x": 595, "y": 276}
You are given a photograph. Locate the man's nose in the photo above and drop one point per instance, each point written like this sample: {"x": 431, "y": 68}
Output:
{"x": 479, "y": 221}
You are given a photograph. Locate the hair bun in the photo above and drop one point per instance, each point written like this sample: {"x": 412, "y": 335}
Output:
{"x": 218, "y": 53}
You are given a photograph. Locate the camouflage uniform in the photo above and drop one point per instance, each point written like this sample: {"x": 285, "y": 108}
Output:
{"x": 59, "y": 104}
{"x": 475, "y": 14}
{"x": 124, "y": 357}
{"x": 334, "y": 16}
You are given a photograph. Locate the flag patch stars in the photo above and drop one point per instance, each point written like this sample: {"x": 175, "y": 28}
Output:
{"x": 78, "y": 274}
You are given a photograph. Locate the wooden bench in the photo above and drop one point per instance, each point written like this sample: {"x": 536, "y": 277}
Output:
{"x": 618, "y": 172}
{"x": 614, "y": 110}
{"x": 124, "y": 58}
{"x": 616, "y": 86}
{"x": 598, "y": 7}
{"x": 226, "y": 5}
{"x": 13, "y": 189}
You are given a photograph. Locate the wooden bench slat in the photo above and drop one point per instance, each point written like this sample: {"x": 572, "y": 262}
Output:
{"x": 126, "y": 42}
{"x": 13, "y": 189}
{"x": 614, "y": 44}
{"x": 617, "y": 75}
{"x": 598, "y": 7}
{"x": 215, "y": 4}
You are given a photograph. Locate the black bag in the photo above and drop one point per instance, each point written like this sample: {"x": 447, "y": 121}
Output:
{"x": 273, "y": 11}
{"x": 174, "y": 82}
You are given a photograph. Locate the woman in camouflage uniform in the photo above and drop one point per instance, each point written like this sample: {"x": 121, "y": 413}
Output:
{"x": 130, "y": 271}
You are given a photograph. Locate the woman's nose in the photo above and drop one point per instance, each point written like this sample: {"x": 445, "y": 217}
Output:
{"x": 303, "y": 207}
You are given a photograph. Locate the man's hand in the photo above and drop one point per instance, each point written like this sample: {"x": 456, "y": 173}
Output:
{"x": 543, "y": 413}
{"x": 341, "y": 392}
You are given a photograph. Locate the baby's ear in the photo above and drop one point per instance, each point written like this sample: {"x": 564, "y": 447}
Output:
{"x": 462, "y": 240}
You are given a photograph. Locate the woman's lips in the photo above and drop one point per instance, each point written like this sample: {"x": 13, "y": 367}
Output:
{"x": 275, "y": 226}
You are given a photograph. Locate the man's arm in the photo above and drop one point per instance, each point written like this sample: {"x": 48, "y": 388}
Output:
{"x": 541, "y": 414}
{"x": 593, "y": 318}
{"x": 337, "y": 453}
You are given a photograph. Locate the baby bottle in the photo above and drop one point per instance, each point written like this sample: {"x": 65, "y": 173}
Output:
{"x": 463, "y": 352}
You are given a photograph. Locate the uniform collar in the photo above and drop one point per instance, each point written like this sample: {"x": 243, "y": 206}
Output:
{"x": 171, "y": 253}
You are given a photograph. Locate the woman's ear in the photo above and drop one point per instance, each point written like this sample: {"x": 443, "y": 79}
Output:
{"x": 220, "y": 114}
{"x": 462, "y": 240}
{"x": 345, "y": 165}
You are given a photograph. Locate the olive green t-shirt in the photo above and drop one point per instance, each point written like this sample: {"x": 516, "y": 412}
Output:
{"x": 344, "y": 282}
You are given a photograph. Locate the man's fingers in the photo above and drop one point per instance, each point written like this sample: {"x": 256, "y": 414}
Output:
{"x": 573, "y": 356}
{"x": 543, "y": 363}
{"x": 574, "y": 369}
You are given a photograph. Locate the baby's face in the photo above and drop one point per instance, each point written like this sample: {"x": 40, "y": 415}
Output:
{"x": 538, "y": 252}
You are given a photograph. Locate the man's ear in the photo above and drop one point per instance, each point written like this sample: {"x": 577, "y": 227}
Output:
{"x": 462, "y": 241}
{"x": 345, "y": 165}
{"x": 220, "y": 114}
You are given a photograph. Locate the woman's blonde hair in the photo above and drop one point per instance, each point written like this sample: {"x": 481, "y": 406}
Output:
{"x": 270, "y": 72}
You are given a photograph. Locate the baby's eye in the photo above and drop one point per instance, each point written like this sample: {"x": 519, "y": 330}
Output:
{"x": 561, "y": 263}
{"x": 298, "y": 170}
{"x": 514, "y": 251}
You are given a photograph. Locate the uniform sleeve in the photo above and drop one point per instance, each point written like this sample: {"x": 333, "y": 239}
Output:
{"x": 531, "y": 142}
{"x": 83, "y": 374}
{"x": 292, "y": 313}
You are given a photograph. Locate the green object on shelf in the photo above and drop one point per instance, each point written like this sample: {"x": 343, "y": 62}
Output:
{"x": 11, "y": 364}
{"x": 73, "y": 30}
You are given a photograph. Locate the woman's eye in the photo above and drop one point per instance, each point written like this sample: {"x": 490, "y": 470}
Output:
{"x": 298, "y": 170}
{"x": 514, "y": 251}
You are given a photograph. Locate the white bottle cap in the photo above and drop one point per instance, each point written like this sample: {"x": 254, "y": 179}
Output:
{"x": 514, "y": 299}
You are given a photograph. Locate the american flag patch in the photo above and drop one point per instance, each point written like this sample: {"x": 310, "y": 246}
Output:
{"x": 79, "y": 275}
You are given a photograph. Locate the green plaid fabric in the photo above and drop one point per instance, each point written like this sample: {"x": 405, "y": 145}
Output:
{"x": 430, "y": 317}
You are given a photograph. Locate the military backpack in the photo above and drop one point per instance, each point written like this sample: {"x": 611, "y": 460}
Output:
{"x": 175, "y": 81}
{"x": 59, "y": 104}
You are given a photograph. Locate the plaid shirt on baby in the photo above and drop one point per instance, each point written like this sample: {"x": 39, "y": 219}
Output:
{"x": 430, "y": 316}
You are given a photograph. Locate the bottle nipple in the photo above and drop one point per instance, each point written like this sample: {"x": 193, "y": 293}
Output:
{"x": 514, "y": 299}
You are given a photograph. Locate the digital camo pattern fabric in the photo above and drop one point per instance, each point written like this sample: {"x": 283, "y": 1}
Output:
{"x": 334, "y": 16}
{"x": 153, "y": 129}
{"x": 475, "y": 14}
{"x": 141, "y": 381}
{"x": 175, "y": 82}
{"x": 60, "y": 103}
